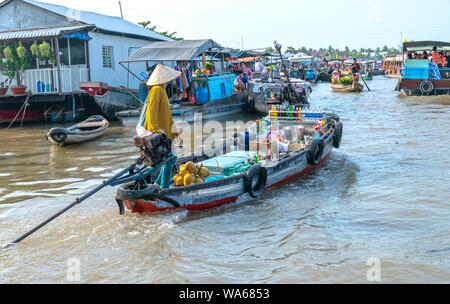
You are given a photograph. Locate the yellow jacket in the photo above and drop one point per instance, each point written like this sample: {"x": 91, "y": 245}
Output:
{"x": 159, "y": 116}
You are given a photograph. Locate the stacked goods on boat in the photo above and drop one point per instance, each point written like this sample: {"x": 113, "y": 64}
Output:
{"x": 211, "y": 95}
{"x": 262, "y": 95}
{"x": 189, "y": 174}
{"x": 270, "y": 152}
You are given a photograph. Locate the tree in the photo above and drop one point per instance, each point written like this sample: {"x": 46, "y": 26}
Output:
{"x": 16, "y": 64}
{"x": 148, "y": 25}
{"x": 270, "y": 50}
{"x": 291, "y": 49}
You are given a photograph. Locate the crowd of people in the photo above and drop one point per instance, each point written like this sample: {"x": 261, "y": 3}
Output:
{"x": 243, "y": 75}
{"x": 442, "y": 58}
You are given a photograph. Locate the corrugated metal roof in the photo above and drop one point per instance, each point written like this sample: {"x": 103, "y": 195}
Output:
{"x": 103, "y": 22}
{"x": 41, "y": 32}
{"x": 183, "y": 50}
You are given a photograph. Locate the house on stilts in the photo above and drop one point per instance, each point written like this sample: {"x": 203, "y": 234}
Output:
{"x": 86, "y": 49}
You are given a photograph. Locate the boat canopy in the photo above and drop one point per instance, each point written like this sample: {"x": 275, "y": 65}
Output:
{"x": 424, "y": 45}
{"x": 301, "y": 57}
{"x": 182, "y": 50}
{"x": 394, "y": 58}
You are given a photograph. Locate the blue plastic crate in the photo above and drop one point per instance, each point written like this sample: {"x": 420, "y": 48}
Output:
{"x": 416, "y": 73}
{"x": 309, "y": 75}
{"x": 220, "y": 86}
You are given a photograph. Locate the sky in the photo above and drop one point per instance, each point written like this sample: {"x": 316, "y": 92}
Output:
{"x": 254, "y": 24}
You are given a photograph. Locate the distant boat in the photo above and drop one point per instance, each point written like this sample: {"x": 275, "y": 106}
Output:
{"x": 91, "y": 128}
{"x": 358, "y": 87}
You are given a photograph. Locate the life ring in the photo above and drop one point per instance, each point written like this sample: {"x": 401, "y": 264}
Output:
{"x": 426, "y": 87}
{"x": 255, "y": 180}
{"x": 337, "y": 136}
{"x": 315, "y": 152}
{"x": 58, "y": 135}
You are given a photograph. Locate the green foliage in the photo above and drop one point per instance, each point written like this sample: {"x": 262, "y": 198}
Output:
{"x": 147, "y": 25}
{"x": 332, "y": 52}
{"x": 22, "y": 52}
{"x": 209, "y": 65}
{"x": 34, "y": 48}
{"x": 16, "y": 62}
{"x": 346, "y": 80}
{"x": 45, "y": 50}
{"x": 8, "y": 52}
{"x": 270, "y": 50}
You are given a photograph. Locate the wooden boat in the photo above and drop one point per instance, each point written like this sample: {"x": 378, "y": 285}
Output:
{"x": 111, "y": 99}
{"x": 142, "y": 197}
{"x": 367, "y": 77}
{"x": 89, "y": 129}
{"x": 337, "y": 87}
{"x": 421, "y": 77}
{"x": 262, "y": 96}
{"x": 236, "y": 103}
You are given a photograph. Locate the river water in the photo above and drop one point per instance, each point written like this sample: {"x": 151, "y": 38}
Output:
{"x": 383, "y": 196}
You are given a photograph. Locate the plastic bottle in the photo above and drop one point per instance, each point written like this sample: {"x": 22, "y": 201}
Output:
{"x": 247, "y": 140}
{"x": 273, "y": 113}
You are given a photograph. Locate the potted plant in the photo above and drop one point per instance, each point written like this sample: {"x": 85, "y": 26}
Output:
{"x": 43, "y": 52}
{"x": 4, "y": 84}
{"x": 15, "y": 66}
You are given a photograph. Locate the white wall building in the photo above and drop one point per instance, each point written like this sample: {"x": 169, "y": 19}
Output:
{"x": 90, "y": 45}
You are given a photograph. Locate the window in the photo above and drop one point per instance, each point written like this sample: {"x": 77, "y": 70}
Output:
{"x": 107, "y": 55}
{"x": 64, "y": 51}
{"x": 77, "y": 51}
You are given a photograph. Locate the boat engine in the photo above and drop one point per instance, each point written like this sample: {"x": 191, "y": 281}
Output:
{"x": 154, "y": 148}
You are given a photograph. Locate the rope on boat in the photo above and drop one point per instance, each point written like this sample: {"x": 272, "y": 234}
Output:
{"x": 25, "y": 105}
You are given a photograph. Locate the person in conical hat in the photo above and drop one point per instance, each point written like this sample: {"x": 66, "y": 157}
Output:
{"x": 158, "y": 116}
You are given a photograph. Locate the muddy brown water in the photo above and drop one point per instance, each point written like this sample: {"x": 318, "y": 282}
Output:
{"x": 383, "y": 195}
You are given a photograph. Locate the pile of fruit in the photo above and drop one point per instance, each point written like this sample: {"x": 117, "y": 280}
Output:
{"x": 190, "y": 174}
{"x": 346, "y": 80}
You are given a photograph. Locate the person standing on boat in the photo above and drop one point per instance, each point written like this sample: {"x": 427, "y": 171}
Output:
{"x": 156, "y": 117}
{"x": 355, "y": 68}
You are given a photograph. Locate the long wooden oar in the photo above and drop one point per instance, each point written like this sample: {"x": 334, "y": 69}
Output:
{"x": 77, "y": 202}
{"x": 365, "y": 82}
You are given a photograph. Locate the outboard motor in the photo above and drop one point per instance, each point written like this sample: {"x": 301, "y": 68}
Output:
{"x": 154, "y": 148}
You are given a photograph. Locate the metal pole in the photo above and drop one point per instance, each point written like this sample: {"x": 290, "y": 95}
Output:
{"x": 120, "y": 6}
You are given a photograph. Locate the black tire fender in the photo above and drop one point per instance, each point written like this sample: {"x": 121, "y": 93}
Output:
{"x": 315, "y": 152}
{"x": 61, "y": 132}
{"x": 337, "y": 136}
{"x": 255, "y": 180}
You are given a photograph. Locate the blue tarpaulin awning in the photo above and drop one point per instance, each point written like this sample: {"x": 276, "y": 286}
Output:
{"x": 79, "y": 31}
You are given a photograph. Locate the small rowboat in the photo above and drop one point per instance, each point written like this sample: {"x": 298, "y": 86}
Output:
{"x": 142, "y": 197}
{"x": 91, "y": 128}
{"x": 337, "y": 87}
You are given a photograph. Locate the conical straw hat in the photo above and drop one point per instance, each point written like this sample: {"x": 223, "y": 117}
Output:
{"x": 162, "y": 74}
